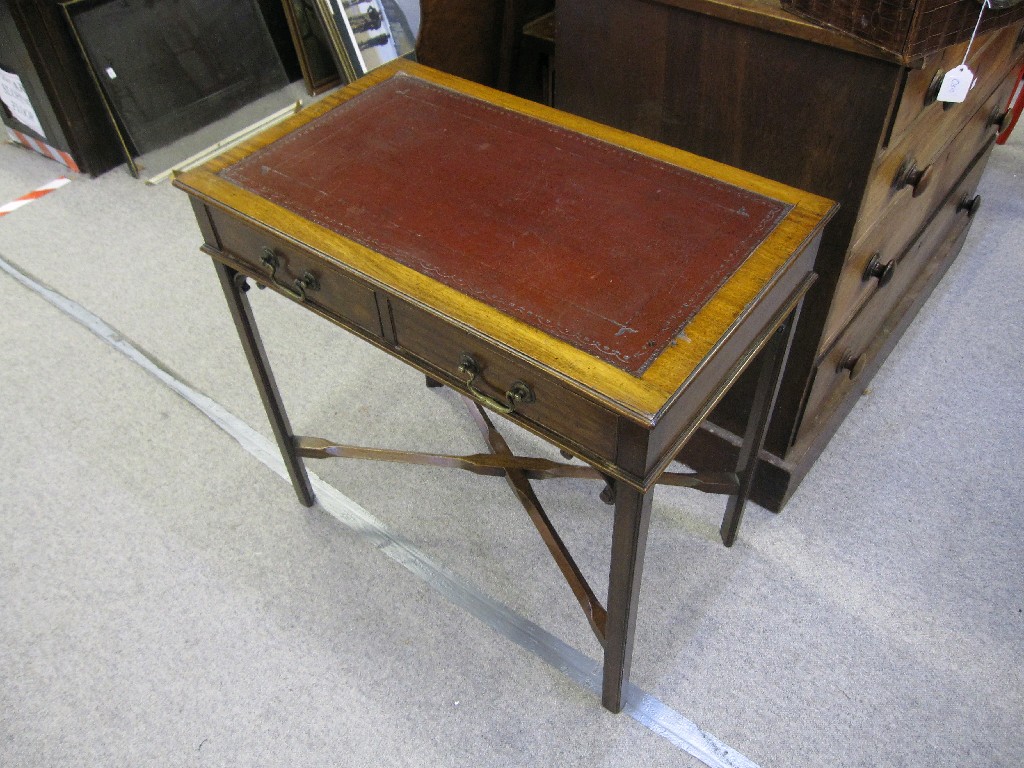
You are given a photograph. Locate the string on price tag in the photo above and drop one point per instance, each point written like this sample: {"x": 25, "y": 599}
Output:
{"x": 958, "y": 81}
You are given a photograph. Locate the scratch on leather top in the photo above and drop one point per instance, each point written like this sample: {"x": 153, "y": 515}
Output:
{"x": 605, "y": 248}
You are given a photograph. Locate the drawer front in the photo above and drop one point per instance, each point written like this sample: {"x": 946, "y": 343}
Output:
{"x": 918, "y": 110}
{"x": 871, "y": 262}
{"x": 907, "y": 175}
{"x": 837, "y": 372}
{"x": 439, "y": 348}
{"x": 343, "y": 298}
{"x": 893, "y": 180}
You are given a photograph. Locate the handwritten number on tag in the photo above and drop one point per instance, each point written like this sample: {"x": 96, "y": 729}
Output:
{"x": 956, "y": 84}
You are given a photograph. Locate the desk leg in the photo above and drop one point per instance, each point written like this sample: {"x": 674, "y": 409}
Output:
{"x": 245, "y": 324}
{"x": 629, "y": 539}
{"x": 773, "y": 358}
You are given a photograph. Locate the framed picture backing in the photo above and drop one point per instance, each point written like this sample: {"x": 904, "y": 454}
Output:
{"x": 167, "y": 69}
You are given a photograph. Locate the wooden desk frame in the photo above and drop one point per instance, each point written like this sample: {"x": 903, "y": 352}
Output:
{"x": 651, "y": 415}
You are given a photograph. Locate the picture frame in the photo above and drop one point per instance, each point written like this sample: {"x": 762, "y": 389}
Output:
{"x": 312, "y": 46}
{"x": 365, "y": 34}
{"x": 165, "y": 70}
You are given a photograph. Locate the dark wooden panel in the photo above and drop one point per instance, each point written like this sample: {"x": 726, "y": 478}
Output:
{"x": 73, "y": 115}
{"x": 775, "y": 105}
{"x": 461, "y": 37}
{"x": 171, "y": 68}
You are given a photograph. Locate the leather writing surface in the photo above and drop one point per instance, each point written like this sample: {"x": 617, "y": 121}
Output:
{"x": 605, "y": 248}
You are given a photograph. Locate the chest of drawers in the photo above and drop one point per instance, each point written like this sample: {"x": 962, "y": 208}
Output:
{"x": 748, "y": 83}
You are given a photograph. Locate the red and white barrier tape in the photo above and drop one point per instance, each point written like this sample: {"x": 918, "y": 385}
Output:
{"x": 43, "y": 148}
{"x": 35, "y": 194}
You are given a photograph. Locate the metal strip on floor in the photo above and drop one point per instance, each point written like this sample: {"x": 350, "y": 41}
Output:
{"x": 641, "y": 706}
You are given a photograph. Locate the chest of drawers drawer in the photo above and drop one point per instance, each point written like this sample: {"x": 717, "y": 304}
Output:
{"x": 840, "y": 367}
{"x": 872, "y": 260}
{"x": 917, "y": 171}
{"x": 920, "y": 111}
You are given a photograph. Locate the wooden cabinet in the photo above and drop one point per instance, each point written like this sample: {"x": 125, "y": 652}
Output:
{"x": 37, "y": 46}
{"x": 750, "y": 84}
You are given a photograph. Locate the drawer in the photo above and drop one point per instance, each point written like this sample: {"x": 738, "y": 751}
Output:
{"x": 331, "y": 290}
{"x": 910, "y": 179}
{"x": 437, "y": 346}
{"x": 990, "y": 58}
{"x": 871, "y": 262}
{"x": 838, "y": 370}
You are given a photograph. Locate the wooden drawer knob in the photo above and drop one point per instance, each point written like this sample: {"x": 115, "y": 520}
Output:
{"x": 877, "y": 269}
{"x": 853, "y": 364}
{"x": 932, "y": 94}
{"x": 1000, "y": 119}
{"x": 909, "y": 175}
{"x": 970, "y": 204}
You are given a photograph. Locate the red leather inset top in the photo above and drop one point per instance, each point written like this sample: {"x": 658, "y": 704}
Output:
{"x": 605, "y": 248}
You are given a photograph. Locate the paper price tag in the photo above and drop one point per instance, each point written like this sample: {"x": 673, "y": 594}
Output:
{"x": 956, "y": 84}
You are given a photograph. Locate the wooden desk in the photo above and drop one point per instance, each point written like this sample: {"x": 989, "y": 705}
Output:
{"x": 598, "y": 289}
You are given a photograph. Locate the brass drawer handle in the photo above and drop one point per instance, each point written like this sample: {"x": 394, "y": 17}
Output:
{"x": 516, "y": 394}
{"x": 297, "y": 290}
{"x": 877, "y": 269}
{"x": 932, "y": 94}
{"x": 909, "y": 175}
{"x": 1000, "y": 119}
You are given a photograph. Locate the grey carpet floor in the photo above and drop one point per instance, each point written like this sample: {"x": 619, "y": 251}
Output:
{"x": 165, "y": 601}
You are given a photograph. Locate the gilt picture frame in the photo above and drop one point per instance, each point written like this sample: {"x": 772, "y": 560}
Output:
{"x": 365, "y": 34}
{"x": 312, "y": 46}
